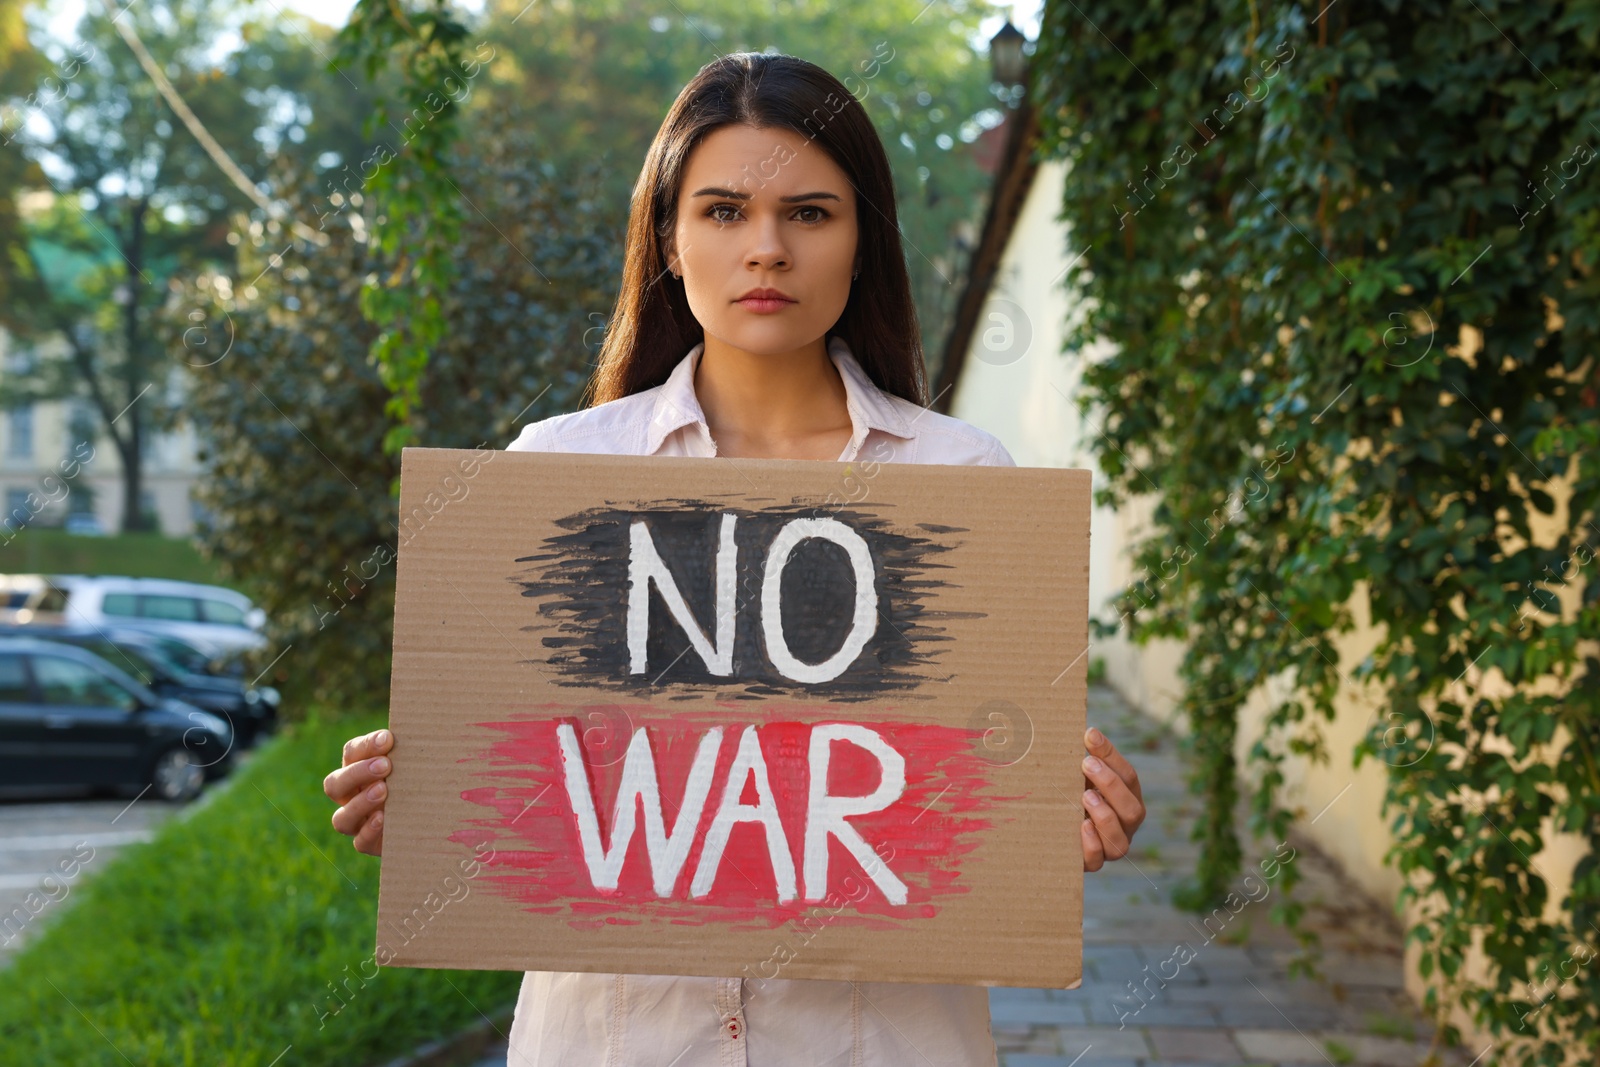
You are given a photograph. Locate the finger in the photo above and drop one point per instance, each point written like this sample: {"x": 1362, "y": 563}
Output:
{"x": 366, "y": 746}
{"x": 1100, "y": 745}
{"x": 351, "y": 816}
{"x": 1123, "y": 800}
{"x": 369, "y": 839}
{"x": 344, "y": 784}
{"x": 1094, "y": 853}
{"x": 1113, "y": 838}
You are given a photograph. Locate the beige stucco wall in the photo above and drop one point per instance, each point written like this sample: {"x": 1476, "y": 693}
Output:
{"x": 1023, "y": 393}
{"x": 1026, "y": 396}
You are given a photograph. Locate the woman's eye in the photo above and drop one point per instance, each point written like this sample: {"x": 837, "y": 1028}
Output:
{"x": 816, "y": 214}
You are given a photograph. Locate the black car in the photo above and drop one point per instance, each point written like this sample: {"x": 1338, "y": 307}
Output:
{"x": 250, "y": 710}
{"x": 69, "y": 718}
{"x": 191, "y": 659}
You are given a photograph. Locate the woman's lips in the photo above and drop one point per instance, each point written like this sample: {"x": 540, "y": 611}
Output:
{"x": 763, "y": 305}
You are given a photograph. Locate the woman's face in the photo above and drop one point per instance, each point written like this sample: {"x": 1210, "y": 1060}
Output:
{"x": 764, "y": 209}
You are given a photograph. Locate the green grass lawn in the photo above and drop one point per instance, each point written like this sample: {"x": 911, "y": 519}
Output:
{"x": 219, "y": 940}
{"x": 135, "y": 555}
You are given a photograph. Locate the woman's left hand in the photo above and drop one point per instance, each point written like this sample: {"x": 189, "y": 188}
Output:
{"x": 1112, "y": 803}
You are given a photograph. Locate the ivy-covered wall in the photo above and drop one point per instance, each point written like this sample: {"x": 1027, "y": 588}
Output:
{"x": 1346, "y": 256}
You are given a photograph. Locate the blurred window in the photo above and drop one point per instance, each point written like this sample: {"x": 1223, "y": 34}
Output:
{"x": 119, "y": 604}
{"x": 125, "y": 659}
{"x": 66, "y": 681}
{"x": 19, "y": 445}
{"x": 176, "y": 608}
{"x": 185, "y": 656}
{"x": 18, "y": 513}
{"x": 222, "y": 612}
{"x": 14, "y": 687}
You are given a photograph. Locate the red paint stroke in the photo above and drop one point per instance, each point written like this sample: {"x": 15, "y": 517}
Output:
{"x": 922, "y": 837}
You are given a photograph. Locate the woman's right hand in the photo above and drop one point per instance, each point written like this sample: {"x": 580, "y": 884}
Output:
{"x": 359, "y": 789}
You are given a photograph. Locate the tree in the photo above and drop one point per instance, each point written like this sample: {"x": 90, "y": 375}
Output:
{"x": 139, "y": 199}
{"x": 1348, "y": 260}
{"x": 300, "y": 505}
{"x": 418, "y": 217}
{"x": 594, "y": 80}
{"x": 21, "y": 73}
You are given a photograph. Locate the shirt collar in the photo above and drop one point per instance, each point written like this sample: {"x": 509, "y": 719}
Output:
{"x": 870, "y": 407}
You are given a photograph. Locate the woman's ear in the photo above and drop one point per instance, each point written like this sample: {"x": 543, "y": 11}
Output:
{"x": 671, "y": 257}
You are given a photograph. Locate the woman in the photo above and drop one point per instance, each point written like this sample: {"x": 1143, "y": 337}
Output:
{"x": 765, "y": 312}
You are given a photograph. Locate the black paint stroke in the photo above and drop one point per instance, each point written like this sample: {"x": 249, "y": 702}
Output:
{"x": 580, "y": 582}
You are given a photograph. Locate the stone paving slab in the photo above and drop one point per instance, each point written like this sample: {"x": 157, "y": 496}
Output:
{"x": 1158, "y": 1014}
{"x": 1226, "y": 998}
{"x": 1032, "y": 1060}
{"x": 1010, "y": 1010}
{"x": 1183, "y": 1042}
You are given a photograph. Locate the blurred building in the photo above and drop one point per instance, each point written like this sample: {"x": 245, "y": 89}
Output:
{"x": 43, "y": 442}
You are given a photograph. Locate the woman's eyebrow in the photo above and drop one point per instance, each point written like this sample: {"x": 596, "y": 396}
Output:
{"x": 731, "y": 195}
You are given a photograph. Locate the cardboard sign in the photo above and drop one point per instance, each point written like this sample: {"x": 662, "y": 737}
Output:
{"x": 738, "y": 718}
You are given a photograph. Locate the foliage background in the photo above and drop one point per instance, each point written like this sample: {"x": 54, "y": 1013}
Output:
{"x": 510, "y": 200}
{"x": 1358, "y": 296}
{"x": 300, "y": 505}
{"x": 596, "y": 79}
{"x": 138, "y": 201}
{"x": 271, "y": 340}
{"x": 1347, "y": 266}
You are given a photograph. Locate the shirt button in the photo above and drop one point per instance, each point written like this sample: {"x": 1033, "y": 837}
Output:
{"x": 733, "y": 1027}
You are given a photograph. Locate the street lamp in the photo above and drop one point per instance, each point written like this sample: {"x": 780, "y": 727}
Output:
{"x": 1005, "y": 56}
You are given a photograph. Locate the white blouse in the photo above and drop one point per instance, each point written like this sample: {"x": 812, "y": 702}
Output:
{"x": 630, "y": 1020}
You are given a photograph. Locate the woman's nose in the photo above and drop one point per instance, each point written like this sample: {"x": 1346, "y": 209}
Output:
{"x": 768, "y": 251}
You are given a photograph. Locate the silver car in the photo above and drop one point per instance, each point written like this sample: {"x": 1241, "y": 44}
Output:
{"x": 216, "y": 620}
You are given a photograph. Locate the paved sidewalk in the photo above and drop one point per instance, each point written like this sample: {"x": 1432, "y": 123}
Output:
{"x": 48, "y": 846}
{"x": 1229, "y": 999}
{"x": 50, "y": 840}
{"x": 1226, "y": 998}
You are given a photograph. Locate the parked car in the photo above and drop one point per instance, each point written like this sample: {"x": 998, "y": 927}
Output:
{"x": 69, "y": 718}
{"x": 213, "y": 619}
{"x": 250, "y": 710}
{"x": 25, "y": 597}
{"x": 197, "y": 661}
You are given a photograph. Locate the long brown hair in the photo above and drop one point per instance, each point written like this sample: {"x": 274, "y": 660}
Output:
{"x": 653, "y": 328}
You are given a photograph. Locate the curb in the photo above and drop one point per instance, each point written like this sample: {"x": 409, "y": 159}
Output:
{"x": 463, "y": 1046}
